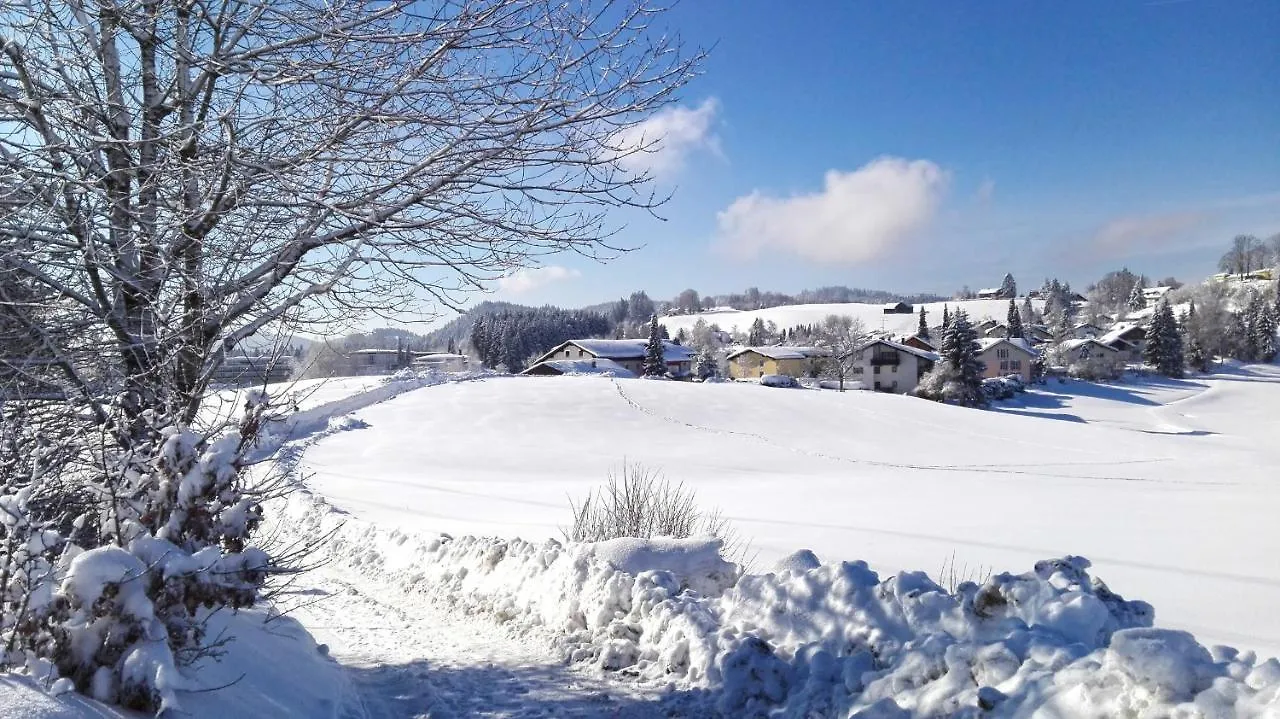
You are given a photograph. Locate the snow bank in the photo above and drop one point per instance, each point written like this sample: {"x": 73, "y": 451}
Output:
{"x": 810, "y": 638}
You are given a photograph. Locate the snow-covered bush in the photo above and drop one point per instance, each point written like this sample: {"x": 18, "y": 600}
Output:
{"x": 116, "y": 600}
{"x": 1094, "y": 368}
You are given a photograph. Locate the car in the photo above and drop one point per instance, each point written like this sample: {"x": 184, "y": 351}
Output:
{"x": 778, "y": 380}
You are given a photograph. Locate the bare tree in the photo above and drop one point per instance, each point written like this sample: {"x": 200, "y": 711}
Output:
{"x": 841, "y": 336}
{"x": 181, "y": 176}
{"x": 1245, "y": 256}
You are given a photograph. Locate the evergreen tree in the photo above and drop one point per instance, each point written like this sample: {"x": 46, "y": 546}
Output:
{"x": 960, "y": 351}
{"x": 1028, "y": 314}
{"x": 1137, "y": 300}
{"x": 756, "y": 335}
{"x": 655, "y": 361}
{"x": 1262, "y": 330}
{"x": 662, "y": 332}
{"x": 681, "y": 336}
{"x": 705, "y": 366}
{"x": 946, "y": 319}
{"x": 923, "y": 330}
{"x": 1014, "y": 321}
{"x": 1164, "y": 342}
{"x": 1008, "y": 288}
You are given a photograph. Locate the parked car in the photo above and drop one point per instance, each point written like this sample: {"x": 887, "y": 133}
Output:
{"x": 778, "y": 380}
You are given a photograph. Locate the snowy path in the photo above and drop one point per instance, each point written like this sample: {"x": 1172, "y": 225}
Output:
{"x": 406, "y": 657}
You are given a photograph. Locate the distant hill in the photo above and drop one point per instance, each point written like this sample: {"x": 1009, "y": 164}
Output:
{"x": 459, "y": 328}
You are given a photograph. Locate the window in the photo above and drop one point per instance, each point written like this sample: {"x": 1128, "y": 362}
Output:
{"x": 1002, "y": 353}
{"x": 1015, "y": 365}
{"x": 372, "y": 359}
{"x": 566, "y": 354}
{"x": 857, "y": 370}
{"x": 581, "y": 353}
{"x": 876, "y": 369}
{"x": 894, "y": 385}
{"x": 895, "y": 369}
{"x": 1004, "y": 365}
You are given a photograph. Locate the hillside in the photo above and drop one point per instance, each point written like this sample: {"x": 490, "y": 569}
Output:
{"x": 872, "y": 316}
{"x": 1162, "y": 484}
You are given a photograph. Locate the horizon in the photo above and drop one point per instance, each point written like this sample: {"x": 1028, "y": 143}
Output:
{"x": 963, "y": 143}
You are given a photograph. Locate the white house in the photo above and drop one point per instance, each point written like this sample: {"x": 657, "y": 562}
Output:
{"x": 887, "y": 366}
{"x": 443, "y": 361}
{"x": 1003, "y": 356}
{"x": 628, "y": 354}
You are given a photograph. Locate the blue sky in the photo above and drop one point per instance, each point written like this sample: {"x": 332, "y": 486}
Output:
{"x": 928, "y": 145}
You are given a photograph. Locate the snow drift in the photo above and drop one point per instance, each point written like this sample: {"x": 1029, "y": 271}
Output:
{"x": 812, "y": 638}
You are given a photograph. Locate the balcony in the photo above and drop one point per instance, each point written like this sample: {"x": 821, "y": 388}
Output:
{"x": 885, "y": 358}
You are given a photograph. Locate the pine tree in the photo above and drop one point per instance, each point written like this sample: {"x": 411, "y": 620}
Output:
{"x": 1014, "y": 321}
{"x": 1008, "y": 288}
{"x": 655, "y": 361}
{"x": 946, "y": 318}
{"x": 755, "y": 336}
{"x": 923, "y": 330}
{"x": 1137, "y": 300}
{"x": 1164, "y": 342}
{"x": 960, "y": 351}
{"x": 1028, "y": 312}
{"x": 704, "y": 365}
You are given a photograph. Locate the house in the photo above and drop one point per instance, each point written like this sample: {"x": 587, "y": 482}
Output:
{"x": 750, "y": 362}
{"x": 985, "y": 325}
{"x": 1087, "y": 349}
{"x": 898, "y": 308}
{"x": 999, "y": 329}
{"x": 244, "y": 370}
{"x": 443, "y": 361}
{"x": 1127, "y": 338}
{"x": 992, "y": 293}
{"x": 1037, "y": 333}
{"x": 376, "y": 361}
{"x": 628, "y": 354}
{"x": 1155, "y": 294}
{"x": 557, "y": 367}
{"x": 1086, "y": 330}
{"x": 920, "y": 343}
{"x": 1003, "y": 356}
{"x": 887, "y": 366}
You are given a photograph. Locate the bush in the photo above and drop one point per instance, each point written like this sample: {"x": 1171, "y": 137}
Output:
{"x": 115, "y": 600}
{"x": 1094, "y": 369}
{"x": 641, "y": 503}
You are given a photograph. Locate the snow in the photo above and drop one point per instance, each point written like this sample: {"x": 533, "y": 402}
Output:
{"x": 813, "y": 640}
{"x": 606, "y": 367}
{"x": 872, "y": 316}
{"x": 923, "y": 354}
{"x": 1163, "y": 484}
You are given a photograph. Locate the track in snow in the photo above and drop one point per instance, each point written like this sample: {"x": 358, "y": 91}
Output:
{"x": 406, "y": 657}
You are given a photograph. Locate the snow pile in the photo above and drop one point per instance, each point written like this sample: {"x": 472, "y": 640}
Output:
{"x": 815, "y": 639}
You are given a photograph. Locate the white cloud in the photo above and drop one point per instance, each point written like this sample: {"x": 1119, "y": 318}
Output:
{"x": 858, "y": 216}
{"x": 1136, "y": 234}
{"x": 532, "y": 278}
{"x": 662, "y": 144}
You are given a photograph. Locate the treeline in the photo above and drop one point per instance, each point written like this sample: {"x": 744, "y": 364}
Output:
{"x": 511, "y": 338}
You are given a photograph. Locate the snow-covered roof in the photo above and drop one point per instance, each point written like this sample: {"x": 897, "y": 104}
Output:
{"x": 630, "y": 349}
{"x": 987, "y": 343}
{"x": 1155, "y": 293}
{"x": 1077, "y": 343}
{"x": 923, "y": 354}
{"x": 583, "y": 366}
{"x": 990, "y": 291}
{"x": 782, "y": 353}
{"x": 374, "y": 352}
{"x": 895, "y": 305}
{"x": 1118, "y": 332}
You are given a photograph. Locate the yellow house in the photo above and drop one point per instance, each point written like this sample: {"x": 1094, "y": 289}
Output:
{"x": 752, "y": 362}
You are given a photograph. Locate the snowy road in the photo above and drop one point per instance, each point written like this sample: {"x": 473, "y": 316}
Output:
{"x": 406, "y": 657}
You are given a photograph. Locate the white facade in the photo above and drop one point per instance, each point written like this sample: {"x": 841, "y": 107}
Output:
{"x": 887, "y": 366}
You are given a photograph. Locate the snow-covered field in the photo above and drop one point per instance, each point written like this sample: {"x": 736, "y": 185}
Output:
{"x": 1167, "y": 486}
{"x": 872, "y": 317}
